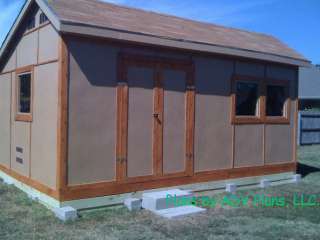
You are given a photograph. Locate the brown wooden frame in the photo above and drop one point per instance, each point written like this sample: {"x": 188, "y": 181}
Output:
{"x": 24, "y": 117}
{"x": 262, "y": 117}
{"x": 126, "y": 60}
{"x": 246, "y": 119}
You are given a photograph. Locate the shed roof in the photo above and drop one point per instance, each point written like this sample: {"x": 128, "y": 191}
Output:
{"x": 96, "y": 18}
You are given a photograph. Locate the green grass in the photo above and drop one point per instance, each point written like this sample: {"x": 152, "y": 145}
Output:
{"x": 21, "y": 218}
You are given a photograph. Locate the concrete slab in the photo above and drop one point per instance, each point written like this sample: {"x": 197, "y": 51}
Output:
{"x": 172, "y": 213}
{"x": 264, "y": 183}
{"x": 231, "y": 188}
{"x": 297, "y": 178}
{"x": 154, "y": 201}
{"x": 133, "y": 204}
{"x": 66, "y": 213}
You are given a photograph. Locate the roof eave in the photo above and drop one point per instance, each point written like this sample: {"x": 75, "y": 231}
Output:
{"x": 88, "y": 30}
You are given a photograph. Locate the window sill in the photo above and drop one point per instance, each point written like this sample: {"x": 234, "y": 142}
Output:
{"x": 277, "y": 120}
{"x": 24, "y": 118}
{"x": 247, "y": 120}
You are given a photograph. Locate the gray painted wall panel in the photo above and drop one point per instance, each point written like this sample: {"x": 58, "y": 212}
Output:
{"x": 48, "y": 44}
{"x": 92, "y": 113}
{"x": 213, "y": 130}
{"x": 140, "y": 122}
{"x": 27, "y": 50}
{"x": 5, "y": 115}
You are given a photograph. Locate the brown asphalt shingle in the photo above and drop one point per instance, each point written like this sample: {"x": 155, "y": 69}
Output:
{"x": 106, "y": 15}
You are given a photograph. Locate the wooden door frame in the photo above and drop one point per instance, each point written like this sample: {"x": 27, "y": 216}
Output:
{"x": 158, "y": 64}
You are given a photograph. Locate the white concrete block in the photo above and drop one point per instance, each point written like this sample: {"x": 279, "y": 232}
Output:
{"x": 133, "y": 204}
{"x": 66, "y": 213}
{"x": 176, "y": 212}
{"x": 231, "y": 188}
{"x": 264, "y": 183}
{"x": 297, "y": 178}
{"x": 8, "y": 181}
{"x": 154, "y": 201}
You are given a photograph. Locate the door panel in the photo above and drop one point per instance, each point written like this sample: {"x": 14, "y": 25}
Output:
{"x": 174, "y": 124}
{"x": 140, "y": 121}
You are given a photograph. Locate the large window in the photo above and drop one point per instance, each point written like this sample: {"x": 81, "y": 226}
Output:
{"x": 260, "y": 100}
{"x": 24, "y": 94}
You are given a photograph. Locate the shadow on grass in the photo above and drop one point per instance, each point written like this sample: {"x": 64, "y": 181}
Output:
{"x": 305, "y": 170}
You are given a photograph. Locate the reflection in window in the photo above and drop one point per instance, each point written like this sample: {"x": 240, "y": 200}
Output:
{"x": 276, "y": 99}
{"x": 247, "y": 97}
{"x": 24, "y": 93}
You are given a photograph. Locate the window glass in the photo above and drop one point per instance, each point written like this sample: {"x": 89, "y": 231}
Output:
{"x": 247, "y": 98}
{"x": 31, "y": 24}
{"x": 276, "y": 99}
{"x": 24, "y": 101}
{"x": 43, "y": 18}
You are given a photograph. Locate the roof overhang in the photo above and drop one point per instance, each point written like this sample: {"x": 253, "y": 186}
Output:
{"x": 89, "y": 30}
{"x": 95, "y": 31}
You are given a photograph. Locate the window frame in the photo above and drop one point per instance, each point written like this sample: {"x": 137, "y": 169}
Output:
{"x": 23, "y": 117}
{"x": 246, "y": 119}
{"x": 46, "y": 19}
{"x": 262, "y": 117}
{"x": 285, "y": 119}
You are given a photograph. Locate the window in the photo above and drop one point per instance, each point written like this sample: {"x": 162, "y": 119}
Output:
{"x": 43, "y": 18}
{"x": 276, "y": 99}
{"x": 31, "y": 24}
{"x": 24, "y": 94}
{"x": 260, "y": 101}
{"x": 247, "y": 98}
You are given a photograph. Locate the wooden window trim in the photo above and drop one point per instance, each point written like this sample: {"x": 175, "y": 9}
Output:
{"x": 279, "y": 119}
{"x": 246, "y": 119}
{"x": 24, "y": 117}
{"x": 262, "y": 117}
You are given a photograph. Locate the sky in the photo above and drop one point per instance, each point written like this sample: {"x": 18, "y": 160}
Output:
{"x": 295, "y": 22}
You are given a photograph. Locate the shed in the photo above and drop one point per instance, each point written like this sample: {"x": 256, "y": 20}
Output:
{"x": 98, "y": 100}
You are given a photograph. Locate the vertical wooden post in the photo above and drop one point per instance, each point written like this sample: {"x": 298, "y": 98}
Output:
{"x": 122, "y": 121}
{"x": 190, "y": 120}
{"x": 158, "y": 122}
{"x": 62, "y": 117}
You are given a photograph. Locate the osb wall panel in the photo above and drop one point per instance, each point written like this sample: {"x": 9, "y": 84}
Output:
{"x": 21, "y": 139}
{"x": 27, "y": 50}
{"x": 48, "y": 44}
{"x": 5, "y": 115}
{"x": 140, "y": 121}
{"x": 92, "y": 113}
{"x": 248, "y": 145}
{"x": 174, "y": 123}
{"x": 213, "y": 131}
{"x": 44, "y": 133}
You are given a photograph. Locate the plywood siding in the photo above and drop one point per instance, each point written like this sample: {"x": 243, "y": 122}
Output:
{"x": 44, "y": 133}
{"x": 174, "y": 123}
{"x": 27, "y": 50}
{"x": 5, "y": 117}
{"x": 140, "y": 121}
{"x": 213, "y": 130}
{"x": 48, "y": 44}
{"x": 11, "y": 63}
{"x": 92, "y": 113}
{"x": 279, "y": 138}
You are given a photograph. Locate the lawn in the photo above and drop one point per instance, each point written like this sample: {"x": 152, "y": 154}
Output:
{"x": 21, "y": 218}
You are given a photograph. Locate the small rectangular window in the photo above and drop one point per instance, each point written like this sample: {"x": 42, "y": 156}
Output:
{"x": 31, "y": 24}
{"x": 43, "y": 18}
{"x": 276, "y": 100}
{"x": 24, "y": 94}
{"x": 247, "y": 99}
{"x": 24, "y": 103}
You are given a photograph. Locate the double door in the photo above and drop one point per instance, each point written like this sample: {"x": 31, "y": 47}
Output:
{"x": 155, "y": 130}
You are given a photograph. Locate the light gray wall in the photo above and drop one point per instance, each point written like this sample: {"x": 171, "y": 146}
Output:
{"x": 309, "y": 83}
